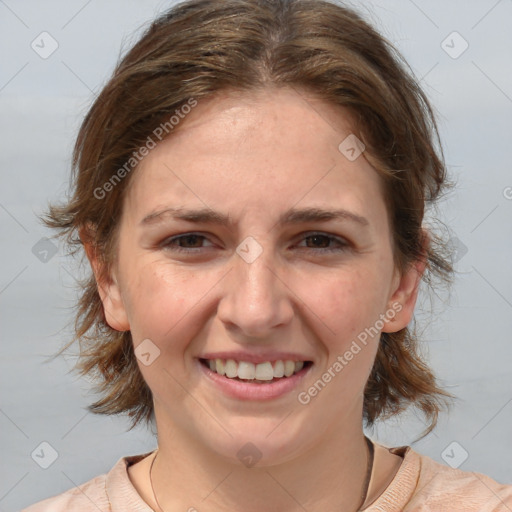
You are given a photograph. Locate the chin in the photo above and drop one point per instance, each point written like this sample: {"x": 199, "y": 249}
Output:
{"x": 259, "y": 443}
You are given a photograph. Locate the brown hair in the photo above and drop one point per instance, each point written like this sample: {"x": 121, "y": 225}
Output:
{"x": 201, "y": 47}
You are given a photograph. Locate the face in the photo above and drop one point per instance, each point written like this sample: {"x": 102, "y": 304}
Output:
{"x": 258, "y": 276}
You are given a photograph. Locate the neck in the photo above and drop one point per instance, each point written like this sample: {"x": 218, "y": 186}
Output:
{"x": 329, "y": 476}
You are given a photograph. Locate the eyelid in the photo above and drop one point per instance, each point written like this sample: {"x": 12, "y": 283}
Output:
{"x": 167, "y": 241}
{"x": 343, "y": 243}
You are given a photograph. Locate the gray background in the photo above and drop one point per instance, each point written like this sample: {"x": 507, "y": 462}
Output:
{"x": 42, "y": 102}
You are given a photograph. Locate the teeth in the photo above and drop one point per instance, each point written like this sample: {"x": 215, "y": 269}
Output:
{"x": 231, "y": 369}
{"x": 289, "y": 368}
{"x": 261, "y": 372}
{"x": 246, "y": 370}
{"x": 221, "y": 369}
{"x": 279, "y": 369}
{"x": 264, "y": 371}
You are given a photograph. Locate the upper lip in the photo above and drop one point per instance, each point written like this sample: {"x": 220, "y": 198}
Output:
{"x": 256, "y": 358}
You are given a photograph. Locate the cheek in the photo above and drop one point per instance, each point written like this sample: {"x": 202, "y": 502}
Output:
{"x": 161, "y": 308}
{"x": 162, "y": 299}
{"x": 345, "y": 302}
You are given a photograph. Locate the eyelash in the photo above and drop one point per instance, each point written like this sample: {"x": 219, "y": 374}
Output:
{"x": 170, "y": 243}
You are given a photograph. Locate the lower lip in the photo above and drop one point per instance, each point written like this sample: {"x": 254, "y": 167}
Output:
{"x": 249, "y": 391}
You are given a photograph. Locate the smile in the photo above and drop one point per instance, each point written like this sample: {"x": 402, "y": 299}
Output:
{"x": 261, "y": 372}
{"x": 244, "y": 380}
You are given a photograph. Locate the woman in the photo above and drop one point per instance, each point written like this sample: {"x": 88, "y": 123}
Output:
{"x": 250, "y": 189}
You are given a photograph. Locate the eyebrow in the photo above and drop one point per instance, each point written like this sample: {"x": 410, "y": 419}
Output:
{"x": 291, "y": 216}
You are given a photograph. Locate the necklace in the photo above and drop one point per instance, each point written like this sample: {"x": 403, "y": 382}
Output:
{"x": 366, "y": 483}
{"x": 369, "y": 471}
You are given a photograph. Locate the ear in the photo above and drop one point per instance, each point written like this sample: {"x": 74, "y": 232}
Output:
{"x": 400, "y": 306}
{"x": 108, "y": 289}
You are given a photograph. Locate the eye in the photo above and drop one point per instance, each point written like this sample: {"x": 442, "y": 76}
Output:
{"x": 321, "y": 240}
{"x": 176, "y": 243}
{"x": 192, "y": 243}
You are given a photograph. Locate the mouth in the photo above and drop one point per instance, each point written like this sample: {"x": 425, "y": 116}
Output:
{"x": 249, "y": 381}
{"x": 268, "y": 371}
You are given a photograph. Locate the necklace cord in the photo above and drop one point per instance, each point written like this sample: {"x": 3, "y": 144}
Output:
{"x": 369, "y": 471}
{"x": 366, "y": 483}
{"x": 151, "y": 482}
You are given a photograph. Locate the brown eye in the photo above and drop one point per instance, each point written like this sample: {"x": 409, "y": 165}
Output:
{"x": 188, "y": 242}
{"x": 321, "y": 241}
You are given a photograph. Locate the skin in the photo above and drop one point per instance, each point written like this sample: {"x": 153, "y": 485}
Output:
{"x": 253, "y": 156}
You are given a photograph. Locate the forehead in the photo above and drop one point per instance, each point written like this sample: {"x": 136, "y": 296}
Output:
{"x": 258, "y": 151}
{"x": 272, "y": 118}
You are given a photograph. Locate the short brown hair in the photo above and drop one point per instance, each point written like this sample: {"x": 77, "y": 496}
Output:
{"x": 201, "y": 47}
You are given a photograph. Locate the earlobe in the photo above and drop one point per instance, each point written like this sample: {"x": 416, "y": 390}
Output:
{"x": 108, "y": 289}
{"x": 403, "y": 300}
{"x": 113, "y": 306}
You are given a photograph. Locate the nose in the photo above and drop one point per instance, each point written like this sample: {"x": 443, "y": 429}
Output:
{"x": 256, "y": 300}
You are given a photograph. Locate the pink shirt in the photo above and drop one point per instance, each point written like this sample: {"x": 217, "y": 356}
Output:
{"x": 420, "y": 485}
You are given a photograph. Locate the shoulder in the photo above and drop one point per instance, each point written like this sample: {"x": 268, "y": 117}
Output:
{"x": 451, "y": 489}
{"x": 424, "y": 485}
{"x": 88, "y": 496}
{"x": 105, "y": 492}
